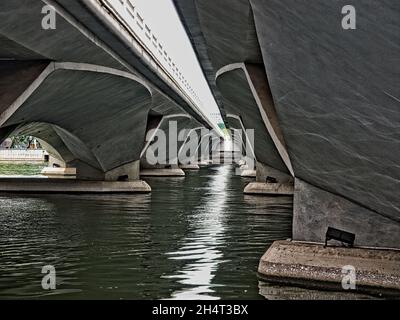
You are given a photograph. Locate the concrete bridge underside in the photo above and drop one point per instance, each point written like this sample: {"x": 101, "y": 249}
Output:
{"x": 81, "y": 89}
{"x": 324, "y": 103}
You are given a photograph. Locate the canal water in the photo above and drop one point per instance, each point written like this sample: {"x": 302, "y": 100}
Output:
{"x": 196, "y": 237}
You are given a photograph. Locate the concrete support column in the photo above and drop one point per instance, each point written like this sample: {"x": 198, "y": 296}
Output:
{"x": 315, "y": 210}
{"x": 56, "y": 162}
{"x": 85, "y": 171}
{"x": 270, "y": 181}
{"x": 126, "y": 172}
{"x": 264, "y": 171}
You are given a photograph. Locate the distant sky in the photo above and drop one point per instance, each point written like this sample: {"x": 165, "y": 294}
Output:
{"x": 162, "y": 18}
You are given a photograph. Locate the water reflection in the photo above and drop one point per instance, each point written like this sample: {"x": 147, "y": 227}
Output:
{"x": 201, "y": 248}
{"x": 196, "y": 237}
{"x": 280, "y": 292}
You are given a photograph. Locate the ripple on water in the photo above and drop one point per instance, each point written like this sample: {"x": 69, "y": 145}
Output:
{"x": 193, "y": 238}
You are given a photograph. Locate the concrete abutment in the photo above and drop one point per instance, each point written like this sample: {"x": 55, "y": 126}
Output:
{"x": 308, "y": 265}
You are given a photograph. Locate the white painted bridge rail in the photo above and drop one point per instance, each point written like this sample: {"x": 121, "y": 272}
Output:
{"x": 22, "y": 155}
{"x": 122, "y": 15}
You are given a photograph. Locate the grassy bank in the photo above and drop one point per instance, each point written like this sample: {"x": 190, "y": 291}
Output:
{"x": 21, "y": 169}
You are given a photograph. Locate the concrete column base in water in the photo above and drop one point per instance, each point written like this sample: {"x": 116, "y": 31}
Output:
{"x": 59, "y": 173}
{"x": 38, "y": 185}
{"x": 316, "y": 209}
{"x": 265, "y": 172}
{"x": 205, "y": 163}
{"x": 174, "y": 172}
{"x": 260, "y": 188}
{"x": 246, "y": 173}
{"x": 269, "y": 181}
{"x": 308, "y": 265}
{"x": 189, "y": 167}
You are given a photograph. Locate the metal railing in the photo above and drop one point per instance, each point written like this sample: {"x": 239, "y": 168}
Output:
{"x": 22, "y": 155}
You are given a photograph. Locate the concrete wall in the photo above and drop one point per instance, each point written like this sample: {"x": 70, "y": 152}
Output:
{"x": 315, "y": 210}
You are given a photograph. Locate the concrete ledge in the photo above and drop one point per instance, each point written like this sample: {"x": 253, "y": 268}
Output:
{"x": 249, "y": 174}
{"x": 205, "y": 163}
{"x": 27, "y": 185}
{"x": 162, "y": 173}
{"x": 286, "y": 189}
{"x": 190, "y": 167}
{"x": 60, "y": 173}
{"x": 313, "y": 266}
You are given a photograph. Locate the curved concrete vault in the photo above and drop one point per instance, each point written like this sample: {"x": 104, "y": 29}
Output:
{"x": 81, "y": 87}
{"x": 247, "y": 97}
{"x": 102, "y": 127}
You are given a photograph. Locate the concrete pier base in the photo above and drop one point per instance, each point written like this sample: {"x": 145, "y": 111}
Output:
{"x": 248, "y": 173}
{"x": 259, "y": 188}
{"x": 205, "y": 163}
{"x": 377, "y": 272}
{"x": 190, "y": 167}
{"x": 59, "y": 173}
{"x": 162, "y": 173}
{"x": 21, "y": 185}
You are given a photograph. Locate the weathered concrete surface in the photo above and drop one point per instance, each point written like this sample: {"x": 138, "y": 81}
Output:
{"x": 16, "y": 77}
{"x": 83, "y": 121}
{"x": 109, "y": 32}
{"x": 265, "y": 171}
{"x": 205, "y": 163}
{"x": 212, "y": 38}
{"x": 316, "y": 209}
{"x": 162, "y": 173}
{"x": 337, "y": 95}
{"x": 310, "y": 265}
{"x": 259, "y": 188}
{"x": 61, "y": 173}
{"x": 239, "y": 137}
{"x": 246, "y": 173}
{"x": 189, "y": 167}
{"x": 54, "y": 161}
{"x": 92, "y": 106}
{"x": 239, "y": 100}
{"x": 240, "y": 75}
{"x": 83, "y": 35}
{"x": 226, "y": 23}
{"x": 129, "y": 171}
{"x": 37, "y": 185}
